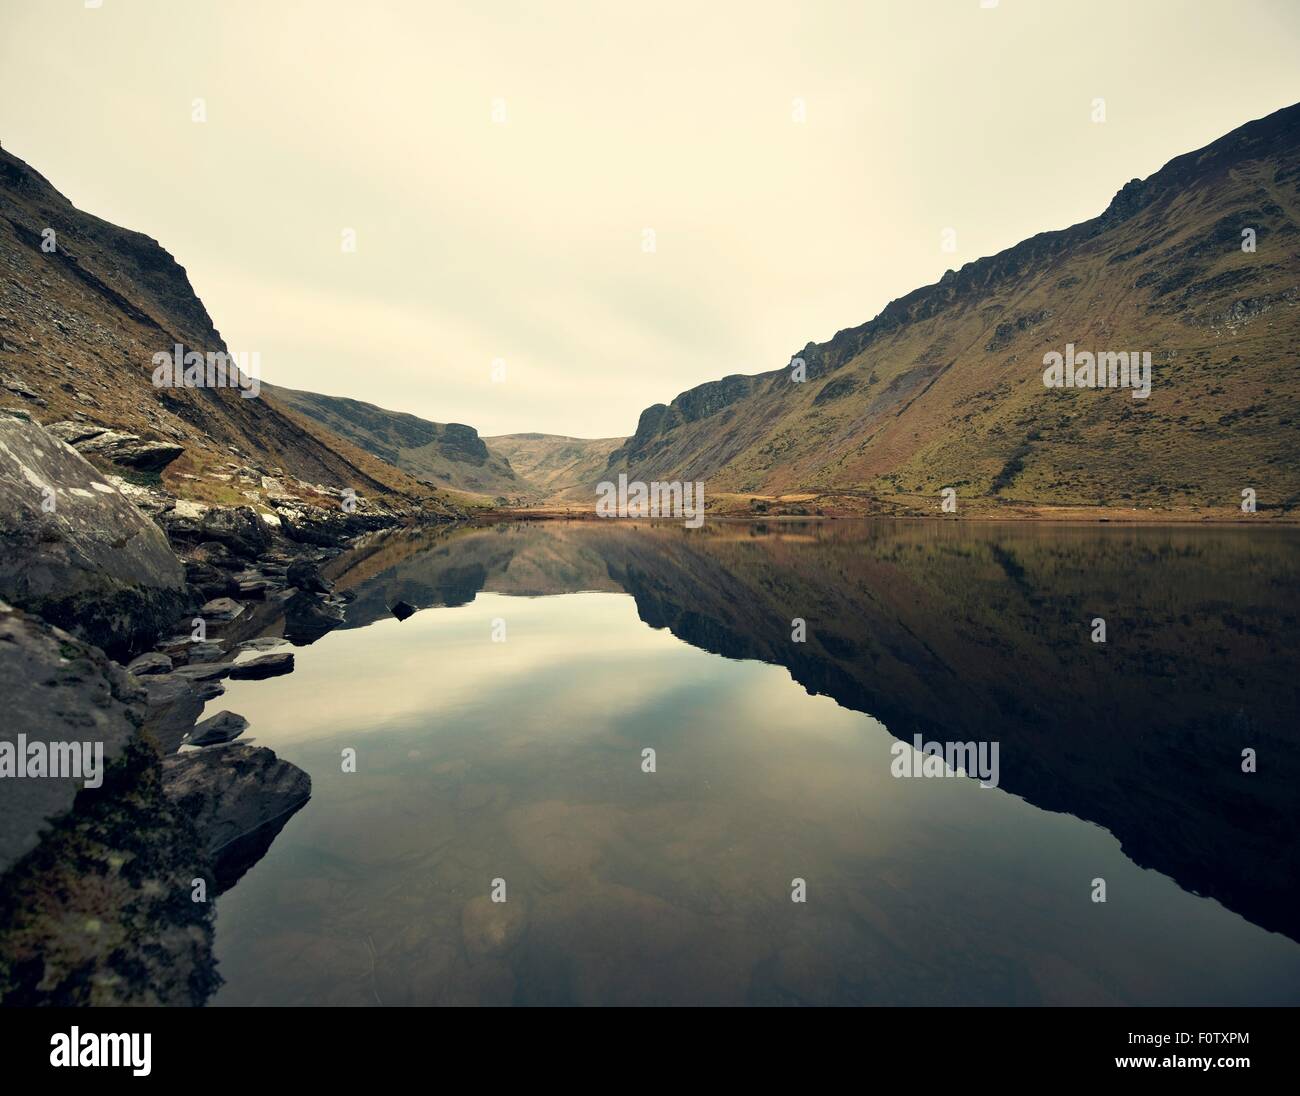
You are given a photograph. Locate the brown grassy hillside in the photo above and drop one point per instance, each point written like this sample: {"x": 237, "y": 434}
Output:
{"x": 449, "y": 455}
{"x": 79, "y": 326}
{"x": 944, "y": 388}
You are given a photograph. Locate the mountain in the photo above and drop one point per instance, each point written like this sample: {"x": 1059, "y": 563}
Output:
{"x": 85, "y": 306}
{"x": 522, "y": 468}
{"x": 447, "y": 455}
{"x": 944, "y": 388}
{"x": 557, "y": 467}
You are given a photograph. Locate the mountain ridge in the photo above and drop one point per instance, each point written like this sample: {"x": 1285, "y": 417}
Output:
{"x": 84, "y": 307}
{"x": 697, "y": 435}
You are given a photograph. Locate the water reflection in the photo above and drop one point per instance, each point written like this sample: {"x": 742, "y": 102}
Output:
{"x": 521, "y": 760}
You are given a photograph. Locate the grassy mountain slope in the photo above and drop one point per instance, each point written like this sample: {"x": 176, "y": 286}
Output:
{"x": 79, "y": 326}
{"x": 556, "y": 466}
{"x": 444, "y": 454}
{"x": 944, "y": 387}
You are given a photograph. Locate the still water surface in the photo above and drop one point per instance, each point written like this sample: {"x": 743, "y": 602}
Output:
{"x": 480, "y": 760}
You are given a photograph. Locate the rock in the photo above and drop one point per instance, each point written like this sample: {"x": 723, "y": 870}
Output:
{"x": 262, "y": 643}
{"x": 307, "y": 618}
{"x": 16, "y": 386}
{"x": 155, "y": 662}
{"x": 218, "y": 555}
{"x": 209, "y": 651}
{"x": 210, "y": 671}
{"x": 233, "y": 791}
{"x": 490, "y": 928}
{"x": 222, "y": 608}
{"x": 220, "y": 728}
{"x": 402, "y": 610}
{"x": 77, "y": 552}
{"x": 240, "y": 530}
{"x": 126, "y": 450}
{"x": 210, "y": 581}
{"x": 56, "y": 689}
{"x": 256, "y": 587}
{"x": 263, "y": 666}
{"x": 74, "y": 432}
{"x": 209, "y": 690}
{"x": 306, "y": 575}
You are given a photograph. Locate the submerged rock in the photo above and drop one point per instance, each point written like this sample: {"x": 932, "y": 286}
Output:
{"x": 402, "y": 609}
{"x": 489, "y": 927}
{"x": 262, "y": 643}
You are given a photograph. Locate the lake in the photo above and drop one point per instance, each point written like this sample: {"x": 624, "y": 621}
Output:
{"x": 498, "y": 745}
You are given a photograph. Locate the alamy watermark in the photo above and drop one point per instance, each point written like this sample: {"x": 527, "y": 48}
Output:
{"x": 215, "y": 369}
{"x": 80, "y": 760}
{"x": 1105, "y": 369}
{"x": 678, "y": 499}
{"x": 920, "y": 758}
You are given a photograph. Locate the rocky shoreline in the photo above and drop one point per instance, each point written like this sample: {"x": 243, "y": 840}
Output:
{"x": 122, "y": 610}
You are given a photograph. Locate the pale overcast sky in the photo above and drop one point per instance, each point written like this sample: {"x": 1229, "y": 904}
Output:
{"x": 523, "y": 240}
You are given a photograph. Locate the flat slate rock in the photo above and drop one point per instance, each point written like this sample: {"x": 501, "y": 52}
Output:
{"x": 263, "y": 643}
{"x": 204, "y": 671}
{"x": 221, "y": 608}
{"x": 155, "y": 662}
{"x": 255, "y": 669}
{"x": 204, "y": 652}
{"x": 218, "y": 729}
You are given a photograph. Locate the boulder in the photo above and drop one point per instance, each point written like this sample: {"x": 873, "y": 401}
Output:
{"x": 307, "y": 617}
{"x": 210, "y": 581}
{"x": 76, "y": 552}
{"x": 305, "y": 575}
{"x": 240, "y": 530}
{"x": 232, "y": 791}
{"x": 56, "y": 689}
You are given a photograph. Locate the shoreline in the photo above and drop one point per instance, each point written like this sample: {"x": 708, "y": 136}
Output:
{"x": 1070, "y": 515}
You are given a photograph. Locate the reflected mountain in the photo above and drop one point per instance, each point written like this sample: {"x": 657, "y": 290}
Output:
{"x": 975, "y": 632}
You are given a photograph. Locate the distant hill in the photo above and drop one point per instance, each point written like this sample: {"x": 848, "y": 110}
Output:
{"x": 447, "y": 455}
{"x": 557, "y": 467}
{"x": 944, "y": 387}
